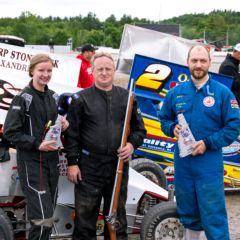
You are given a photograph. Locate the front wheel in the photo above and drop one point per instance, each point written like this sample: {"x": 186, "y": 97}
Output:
{"x": 151, "y": 170}
{"x": 162, "y": 222}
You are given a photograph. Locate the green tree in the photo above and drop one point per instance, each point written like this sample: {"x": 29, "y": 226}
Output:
{"x": 91, "y": 22}
{"x": 61, "y": 37}
{"x": 215, "y": 27}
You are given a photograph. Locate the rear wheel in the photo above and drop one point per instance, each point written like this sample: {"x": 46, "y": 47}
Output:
{"x": 162, "y": 222}
{"x": 150, "y": 170}
{"x": 6, "y": 230}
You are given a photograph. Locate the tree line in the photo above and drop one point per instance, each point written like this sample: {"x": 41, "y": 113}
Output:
{"x": 218, "y": 27}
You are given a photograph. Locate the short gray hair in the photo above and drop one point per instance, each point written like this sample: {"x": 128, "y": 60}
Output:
{"x": 101, "y": 54}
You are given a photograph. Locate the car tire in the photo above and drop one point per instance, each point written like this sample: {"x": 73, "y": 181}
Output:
{"x": 150, "y": 170}
{"x": 162, "y": 222}
{"x": 6, "y": 230}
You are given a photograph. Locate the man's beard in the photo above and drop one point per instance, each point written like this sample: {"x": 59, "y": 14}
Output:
{"x": 198, "y": 74}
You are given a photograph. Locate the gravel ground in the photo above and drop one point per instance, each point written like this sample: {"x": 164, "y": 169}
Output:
{"x": 233, "y": 209}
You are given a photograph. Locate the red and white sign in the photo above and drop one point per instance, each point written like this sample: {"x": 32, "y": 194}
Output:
{"x": 14, "y": 76}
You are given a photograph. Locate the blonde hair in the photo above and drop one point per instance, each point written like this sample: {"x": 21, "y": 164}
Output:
{"x": 36, "y": 59}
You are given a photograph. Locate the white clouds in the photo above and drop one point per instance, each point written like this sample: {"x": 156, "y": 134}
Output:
{"x": 151, "y": 9}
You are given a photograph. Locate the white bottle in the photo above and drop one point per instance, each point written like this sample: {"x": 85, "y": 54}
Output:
{"x": 54, "y": 133}
{"x": 185, "y": 139}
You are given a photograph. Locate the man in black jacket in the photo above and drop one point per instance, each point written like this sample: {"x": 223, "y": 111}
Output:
{"x": 230, "y": 67}
{"x": 92, "y": 144}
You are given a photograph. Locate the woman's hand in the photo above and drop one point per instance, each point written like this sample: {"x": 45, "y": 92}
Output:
{"x": 64, "y": 124}
{"x": 48, "y": 146}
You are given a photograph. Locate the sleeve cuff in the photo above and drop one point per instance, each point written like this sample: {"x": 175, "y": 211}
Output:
{"x": 207, "y": 143}
{"x": 36, "y": 145}
{"x": 172, "y": 129}
{"x": 72, "y": 161}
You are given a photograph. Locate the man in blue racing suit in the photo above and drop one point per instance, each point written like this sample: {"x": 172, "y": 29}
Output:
{"x": 212, "y": 114}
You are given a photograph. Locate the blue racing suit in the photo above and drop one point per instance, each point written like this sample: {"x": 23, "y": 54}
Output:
{"x": 212, "y": 113}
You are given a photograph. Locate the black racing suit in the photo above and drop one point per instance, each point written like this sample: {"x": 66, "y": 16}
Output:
{"x": 24, "y": 126}
{"x": 230, "y": 67}
{"x": 96, "y": 120}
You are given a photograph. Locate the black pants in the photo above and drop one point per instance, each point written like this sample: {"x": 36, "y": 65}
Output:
{"x": 40, "y": 190}
{"x": 94, "y": 186}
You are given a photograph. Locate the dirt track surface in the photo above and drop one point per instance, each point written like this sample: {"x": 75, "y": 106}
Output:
{"x": 233, "y": 209}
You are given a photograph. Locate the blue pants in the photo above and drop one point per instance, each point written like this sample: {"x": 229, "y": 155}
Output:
{"x": 201, "y": 204}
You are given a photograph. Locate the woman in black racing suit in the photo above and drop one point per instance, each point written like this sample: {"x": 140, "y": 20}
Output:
{"x": 37, "y": 159}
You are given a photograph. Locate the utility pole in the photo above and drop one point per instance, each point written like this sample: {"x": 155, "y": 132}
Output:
{"x": 160, "y": 11}
{"x": 103, "y": 29}
{"x": 227, "y": 35}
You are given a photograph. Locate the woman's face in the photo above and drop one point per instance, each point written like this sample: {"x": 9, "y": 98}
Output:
{"x": 42, "y": 74}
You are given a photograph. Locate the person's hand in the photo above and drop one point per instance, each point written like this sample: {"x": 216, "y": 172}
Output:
{"x": 74, "y": 174}
{"x": 48, "y": 146}
{"x": 64, "y": 123}
{"x": 176, "y": 130}
{"x": 199, "y": 148}
{"x": 126, "y": 152}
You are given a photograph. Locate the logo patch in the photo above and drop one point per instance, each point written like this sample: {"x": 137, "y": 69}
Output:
{"x": 28, "y": 100}
{"x": 16, "y": 107}
{"x": 234, "y": 104}
{"x": 208, "y": 101}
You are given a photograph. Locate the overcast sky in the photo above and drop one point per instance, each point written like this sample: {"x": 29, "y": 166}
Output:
{"x": 155, "y": 10}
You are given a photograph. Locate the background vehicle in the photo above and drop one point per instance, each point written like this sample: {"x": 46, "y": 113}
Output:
{"x": 13, "y": 40}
